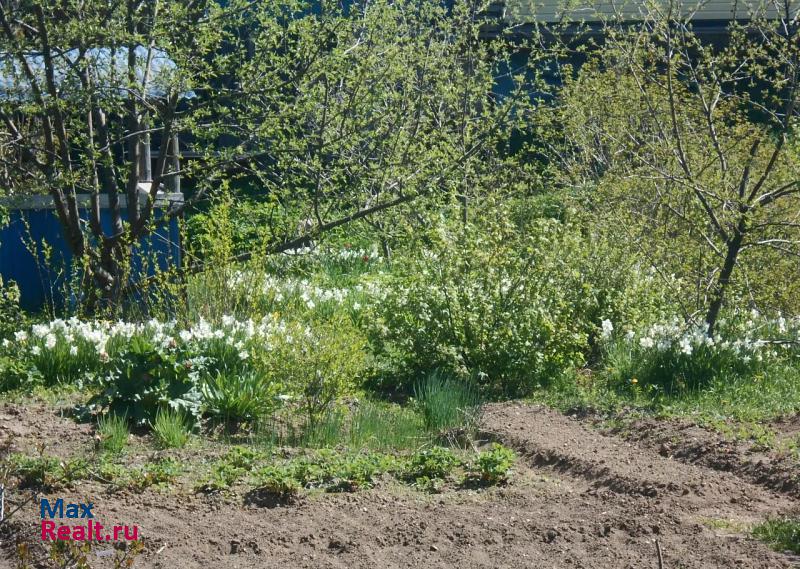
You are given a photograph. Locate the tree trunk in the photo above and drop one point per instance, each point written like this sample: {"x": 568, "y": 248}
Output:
{"x": 733, "y": 248}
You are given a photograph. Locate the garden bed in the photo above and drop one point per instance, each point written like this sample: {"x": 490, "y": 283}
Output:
{"x": 575, "y": 497}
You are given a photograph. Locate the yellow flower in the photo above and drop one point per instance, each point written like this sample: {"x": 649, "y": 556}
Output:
{"x": 634, "y": 380}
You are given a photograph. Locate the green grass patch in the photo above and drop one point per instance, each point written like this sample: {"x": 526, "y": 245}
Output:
{"x": 770, "y": 394}
{"x": 382, "y": 426}
{"x": 447, "y": 403}
{"x": 113, "y": 432}
{"x": 781, "y": 534}
{"x": 363, "y": 425}
{"x": 170, "y": 429}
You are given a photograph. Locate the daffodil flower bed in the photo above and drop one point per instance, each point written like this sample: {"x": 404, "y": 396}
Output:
{"x": 673, "y": 355}
{"x": 142, "y": 367}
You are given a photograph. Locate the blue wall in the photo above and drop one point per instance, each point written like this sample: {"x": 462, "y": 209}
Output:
{"x": 44, "y": 284}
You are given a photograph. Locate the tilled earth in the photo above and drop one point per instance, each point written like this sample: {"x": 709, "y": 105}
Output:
{"x": 581, "y": 497}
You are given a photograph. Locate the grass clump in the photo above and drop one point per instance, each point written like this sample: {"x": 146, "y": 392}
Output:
{"x": 113, "y": 432}
{"x": 781, "y": 534}
{"x": 326, "y": 432}
{"x": 381, "y": 426}
{"x": 170, "y": 429}
{"x": 236, "y": 398}
{"x": 446, "y": 403}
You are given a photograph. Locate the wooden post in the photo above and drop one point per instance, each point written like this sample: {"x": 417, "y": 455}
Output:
{"x": 175, "y": 165}
{"x": 145, "y": 164}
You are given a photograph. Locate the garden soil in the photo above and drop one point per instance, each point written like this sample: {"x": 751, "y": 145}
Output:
{"x": 652, "y": 494}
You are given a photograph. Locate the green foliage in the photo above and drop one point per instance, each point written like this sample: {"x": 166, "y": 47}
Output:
{"x": 632, "y": 368}
{"x": 673, "y": 357}
{"x": 510, "y": 306}
{"x": 12, "y": 317}
{"x": 242, "y": 457}
{"x": 113, "y": 432}
{"x": 364, "y": 424}
{"x": 160, "y": 473}
{"x": 783, "y": 534}
{"x": 278, "y": 481}
{"x": 430, "y": 464}
{"x": 144, "y": 380}
{"x": 769, "y": 394}
{"x": 318, "y": 364}
{"x": 381, "y": 426}
{"x": 327, "y": 431}
{"x": 170, "y": 428}
{"x": 447, "y": 403}
{"x": 225, "y": 472}
{"x": 327, "y": 470}
{"x": 697, "y": 189}
{"x": 48, "y": 472}
{"x": 494, "y": 466}
{"x": 238, "y": 397}
{"x": 17, "y": 372}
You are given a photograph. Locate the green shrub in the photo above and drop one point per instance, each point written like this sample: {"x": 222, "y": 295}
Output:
{"x": 318, "y": 364}
{"x": 498, "y": 305}
{"x": 447, "y": 403}
{"x": 12, "y": 317}
{"x": 170, "y": 429}
{"x": 494, "y": 465}
{"x": 17, "y": 372}
{"x": 113, "y": 432}
{"x": 511, "y": 299}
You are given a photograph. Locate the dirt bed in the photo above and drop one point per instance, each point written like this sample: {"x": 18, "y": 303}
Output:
{"x": 580, "y": 498}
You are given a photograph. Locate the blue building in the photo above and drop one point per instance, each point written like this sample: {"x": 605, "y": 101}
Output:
{"x": 35, "y": 255}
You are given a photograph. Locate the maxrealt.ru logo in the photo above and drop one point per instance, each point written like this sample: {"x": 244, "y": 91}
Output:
{"x": 91, "y": 530}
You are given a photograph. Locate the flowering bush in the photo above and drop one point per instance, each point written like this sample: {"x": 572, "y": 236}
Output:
{"x": 319, "y": 364}
{"x": 512, "y": 308}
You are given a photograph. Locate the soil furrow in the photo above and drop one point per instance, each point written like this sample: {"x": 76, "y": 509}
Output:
{"x": 577, "y": 499}
{"x": 692, "y": 444}
{"x": 563, "y": 444}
